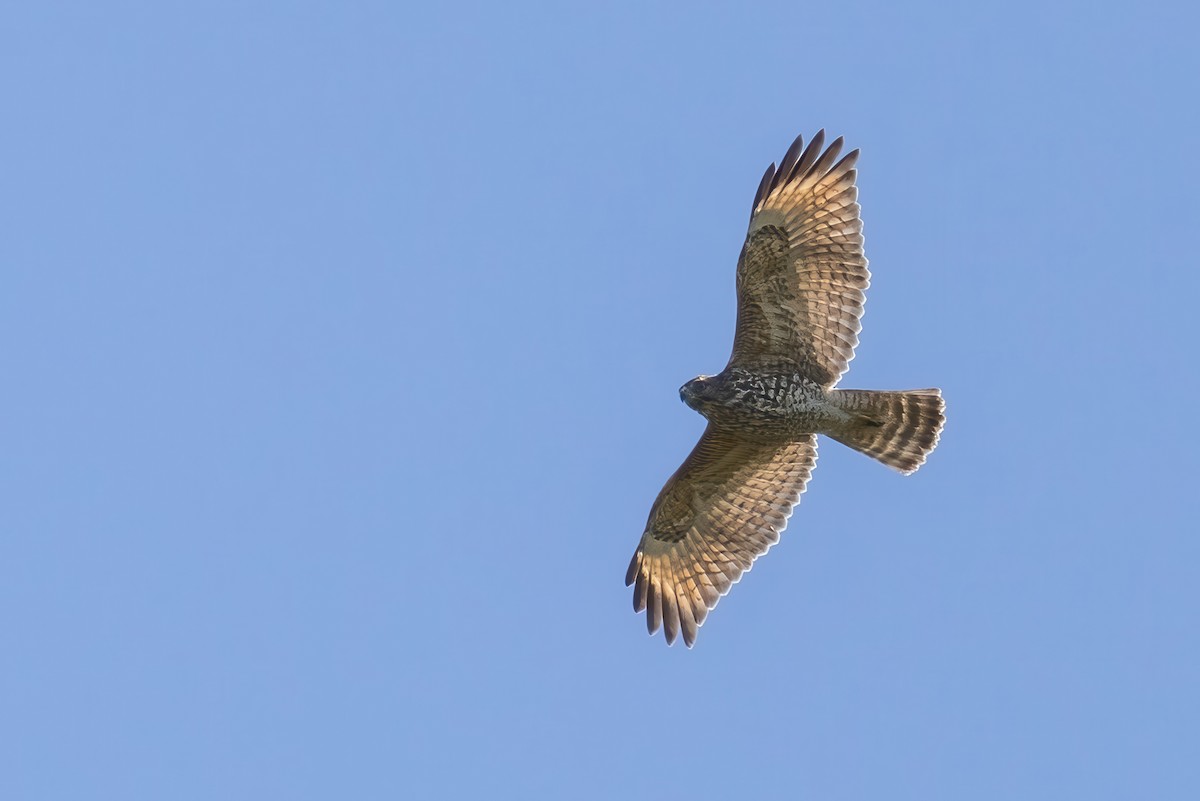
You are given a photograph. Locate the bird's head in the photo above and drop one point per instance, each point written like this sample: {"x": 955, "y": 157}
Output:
{"x": 696, "y": 391}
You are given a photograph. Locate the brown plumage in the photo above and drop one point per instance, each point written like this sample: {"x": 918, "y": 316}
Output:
{"x": 800, "y": 283}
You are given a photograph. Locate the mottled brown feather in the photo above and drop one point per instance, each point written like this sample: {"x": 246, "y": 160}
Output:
{"x": 723, "y": 508}
{"x": 802, "y": 274}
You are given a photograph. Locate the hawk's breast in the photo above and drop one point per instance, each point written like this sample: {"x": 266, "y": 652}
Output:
{"x": 771, "y": 406}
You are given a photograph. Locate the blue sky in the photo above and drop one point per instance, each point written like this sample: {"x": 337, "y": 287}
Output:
{"x": 342, "y": 349}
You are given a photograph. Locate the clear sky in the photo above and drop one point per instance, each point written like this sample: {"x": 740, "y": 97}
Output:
{"x": 341, "y": 348}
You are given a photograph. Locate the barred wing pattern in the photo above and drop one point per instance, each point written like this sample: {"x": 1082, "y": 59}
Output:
{"x": 723, "y": 508}
{"x": 802, "y": 272}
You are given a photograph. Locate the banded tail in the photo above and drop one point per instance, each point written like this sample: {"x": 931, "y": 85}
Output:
{"x": 898, "y": 428}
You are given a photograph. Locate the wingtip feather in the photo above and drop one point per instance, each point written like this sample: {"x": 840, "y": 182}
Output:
{"x": 670, "y": 612}
{"x": 634, "y": 564}
{"x": 764, "y": 187}
{"x": 639, "y": 591}
{"x": 791, "y": 157}
{"x": 803, "y": 167}
{"x": 654, "y": 610}
{"x": 810, "y": 153}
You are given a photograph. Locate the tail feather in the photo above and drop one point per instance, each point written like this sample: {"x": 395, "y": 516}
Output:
{"x": 899, "y": 429}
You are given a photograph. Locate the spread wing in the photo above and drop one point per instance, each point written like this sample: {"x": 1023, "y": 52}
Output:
{"x": 802, "y": 271}
{"x": 723, "y": 508}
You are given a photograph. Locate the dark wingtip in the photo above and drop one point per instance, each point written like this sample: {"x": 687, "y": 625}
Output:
{"x": 835, "y": 147}
{"x": 799, "y": 161}
{"x": 687, "y": 624}
{"x": 791, "y": 156}
{"x": 670, "y": 615}
{"x": 639, "y": 592}
{"x": 764, "y": 186}
{"x": 825, "y": 163}
{"x": 654, "y": 609}
{"x": 848, "y": 161}
{"x": 810, "y": 154}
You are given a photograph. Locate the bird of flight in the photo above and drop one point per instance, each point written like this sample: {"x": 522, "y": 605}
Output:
{"x": 800, "y": 283}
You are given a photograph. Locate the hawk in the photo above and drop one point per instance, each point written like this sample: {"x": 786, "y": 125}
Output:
{"x": 800, "y": 283}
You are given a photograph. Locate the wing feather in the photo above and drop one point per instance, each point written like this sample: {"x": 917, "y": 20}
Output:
{"x": 723, "y": 508}
{"x": 809, "y": 156}
{"x": 792, "y": 158}
{"x": 802, "y": 274}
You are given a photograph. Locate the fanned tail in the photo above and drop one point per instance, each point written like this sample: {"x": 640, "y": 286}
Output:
{"x": 899, "y": 429}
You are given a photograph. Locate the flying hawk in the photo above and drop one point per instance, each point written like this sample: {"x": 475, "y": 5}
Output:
{"x": 800, "y": 283}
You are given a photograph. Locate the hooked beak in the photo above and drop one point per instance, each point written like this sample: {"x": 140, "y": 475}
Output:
{"x": 689, "y": 393}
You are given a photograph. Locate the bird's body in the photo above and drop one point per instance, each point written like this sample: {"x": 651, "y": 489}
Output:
{"x": 801, "y": 279}
{"x": 766, "y": 407}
